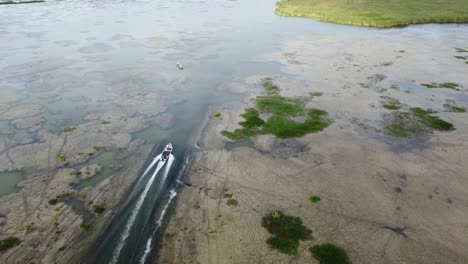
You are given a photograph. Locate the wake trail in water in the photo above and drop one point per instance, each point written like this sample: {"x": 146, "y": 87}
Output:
{"x": 136, "y": 209}
{"x": 172, "y": 194}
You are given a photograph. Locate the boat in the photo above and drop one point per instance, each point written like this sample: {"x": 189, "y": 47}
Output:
{"x": 166, "y": 153}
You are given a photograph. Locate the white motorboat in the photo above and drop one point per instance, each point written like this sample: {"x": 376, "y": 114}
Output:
{"x": 166, "y": 153}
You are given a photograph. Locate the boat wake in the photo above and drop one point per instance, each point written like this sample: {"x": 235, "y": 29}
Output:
{"x": 138, "y": 205}
{"x": 159, "y": 222}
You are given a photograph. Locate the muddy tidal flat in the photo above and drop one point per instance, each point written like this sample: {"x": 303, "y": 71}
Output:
{"x": 386, "y": 181}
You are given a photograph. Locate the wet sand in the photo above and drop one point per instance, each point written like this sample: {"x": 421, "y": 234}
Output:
{"x": 383, "y": 199}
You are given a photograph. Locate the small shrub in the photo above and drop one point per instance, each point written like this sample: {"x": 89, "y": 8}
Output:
{"x": 217, "y": 115}
{"x": 53, "y": 201}
{"x": 9, "y": 242}
{"x": 105, "y": 122}
{"x": 330, "y": 254}
{"x": 314, "y": 199}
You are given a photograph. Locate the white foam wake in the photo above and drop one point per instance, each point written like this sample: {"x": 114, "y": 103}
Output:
{"x": 155, "y": 160}
{"x": 172, "y": 194}
{"x": 136, "y": 209}
{"x": 148, "y": 247}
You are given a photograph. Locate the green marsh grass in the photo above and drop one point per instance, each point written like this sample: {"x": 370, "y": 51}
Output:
{"x": 377, "y": 13}
{"x": 280, "y": 110}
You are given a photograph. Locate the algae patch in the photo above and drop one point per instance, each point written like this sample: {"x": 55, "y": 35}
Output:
{"x": 415, "y": 122}
{"x": 454, "y": 108}
{"x": 9, "y": 242}
{"x": 390, "y": 103}
{"x": 447, "y": 85}
{"x": 330, "y": 254}
{"x": 286, "y": 232}
{"x": 280, "y": 110}
{"x": 314, "y": 199}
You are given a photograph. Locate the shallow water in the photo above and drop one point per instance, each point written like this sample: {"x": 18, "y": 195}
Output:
{"x": 72, "y": 57}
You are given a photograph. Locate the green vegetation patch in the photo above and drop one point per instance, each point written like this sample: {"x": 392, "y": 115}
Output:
{"x": 280, "y": 105}
{"x": 432, "y": 121}
{"x": 415, "y": 122}
{"x": 61, "y": 198}
{"x": 270, "y": 88}
{"x": 99, "y": 148}
{"x": 390, "y": 103}
{"x": 280, "y": 123}
{"x": 448, "y": 85}
{"x": 217, "y": 115}
{"x": 69, "y": 129}
{"x": 283, "y": 127}
{"x": 454, "y": 108}
{"x": 62, "y": 158}
{"x": 85, "y": 226}
{"x": 22, "y": 2}
{"x": 330, "y": 254}
{"x": 316, "y": 94}
{"x": 9, "y": 242}
{"x": 29, "y": 228}
{"x": 377, "y": 13}
{"x": 99, "y": 209}
{"x": 314, "y": 199}
{"x": 459, "y": 50}
{"x": 286, "y": 230}
{"x": 105, "y": 122}
{"x": 232, "y": 202}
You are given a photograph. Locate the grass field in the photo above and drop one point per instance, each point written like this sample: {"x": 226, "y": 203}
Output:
{"x": 377, "y": 13}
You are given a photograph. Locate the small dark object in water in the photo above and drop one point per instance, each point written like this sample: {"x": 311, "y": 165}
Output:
{"x": 179, "y": 66}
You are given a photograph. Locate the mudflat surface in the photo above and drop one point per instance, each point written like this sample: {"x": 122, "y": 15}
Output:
{"x": 384, "y": 199}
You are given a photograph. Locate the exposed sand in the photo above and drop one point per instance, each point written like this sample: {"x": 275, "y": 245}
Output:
{"x": 384, "y": 199}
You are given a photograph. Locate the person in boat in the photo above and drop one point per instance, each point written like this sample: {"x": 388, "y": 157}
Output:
{"x": 166, "y": 153}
